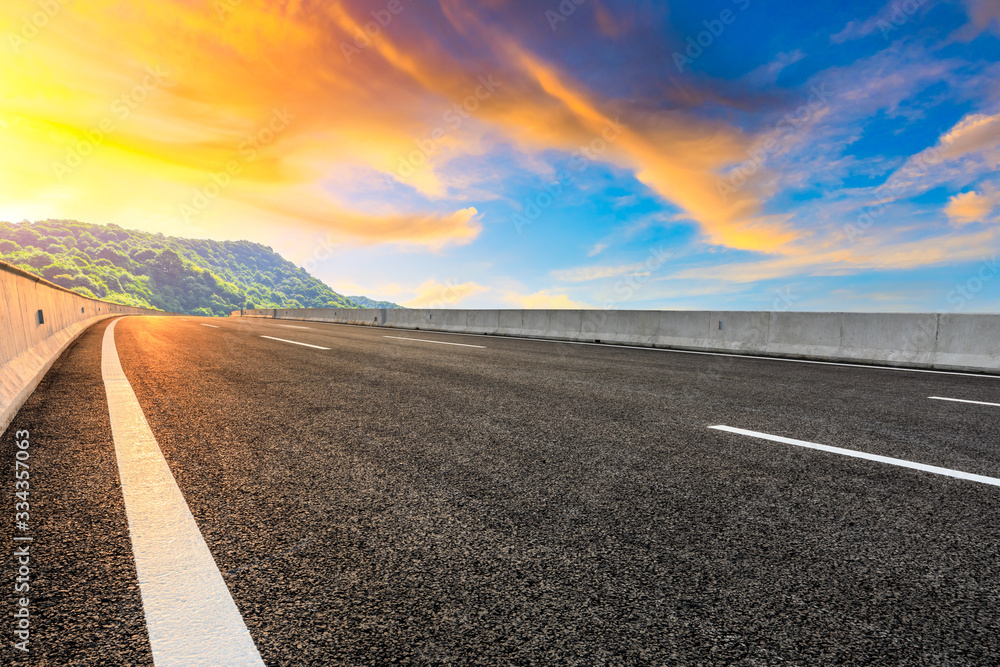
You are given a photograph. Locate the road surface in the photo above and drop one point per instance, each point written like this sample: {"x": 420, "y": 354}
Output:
{"x": 377, "y": 496}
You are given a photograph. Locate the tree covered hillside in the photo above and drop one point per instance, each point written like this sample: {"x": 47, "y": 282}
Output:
{"x": 136, "y": 268}
{"x": 365, "y": 302}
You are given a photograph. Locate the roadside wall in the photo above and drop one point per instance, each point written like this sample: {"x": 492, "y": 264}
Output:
{"x": 30, "y": 344}
{"x": 912, "y": 340}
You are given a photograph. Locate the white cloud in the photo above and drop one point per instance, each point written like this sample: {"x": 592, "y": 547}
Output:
{"x": 587, "y": 273}
{"x": 872, "y": 253}
{"x": 886, "y": 21}
{"x": 597, "y": 249}
{"x": 768, "y": 73}
{"x": 965, "y": 152}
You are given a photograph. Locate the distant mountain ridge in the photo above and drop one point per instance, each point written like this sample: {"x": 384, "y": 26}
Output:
{"x": 365, "y": 302}
{"x": 194, "y": 276}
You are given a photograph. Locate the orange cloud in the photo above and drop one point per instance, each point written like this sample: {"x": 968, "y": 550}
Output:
{"x": 158, "y": 153}
{"x": 433, "y": 294}
{"x": 612, "y": 24}
{"x": 874, "y": 254}
{"x": 969, "y": 207}
{"x": 360, "y": 94}
{"x": 983, "y": 15}
{"x": 974, "y": 133}
{"x": 677, "y": 156}
{"x": 545, "y": 299}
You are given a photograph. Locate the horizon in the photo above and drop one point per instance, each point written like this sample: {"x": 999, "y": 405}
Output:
{"x": 968, "y": 295}
{"x": 622, "y": 155}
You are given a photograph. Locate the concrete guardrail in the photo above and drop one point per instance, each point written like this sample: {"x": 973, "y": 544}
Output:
{"x": 38, "y": 320}
{"x": 911, "y": 340}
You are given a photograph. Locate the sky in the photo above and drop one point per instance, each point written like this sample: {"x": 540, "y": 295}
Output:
{"x": 723, "y": 154}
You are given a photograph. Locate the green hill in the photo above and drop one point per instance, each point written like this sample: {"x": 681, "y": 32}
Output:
{"x": 365, "y": 302}
{"x": 194, "y": 276}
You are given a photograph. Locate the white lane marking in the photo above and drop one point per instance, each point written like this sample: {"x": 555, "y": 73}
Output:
{"x": 295, "y": 342}
{"x": 863, "y": 455}
{"x": 961, "y": 400}
{"x": 292, "y": 326}
{"x": 699, "y": 352}
{"x": 190, "y": 614}
{"x": 439, "y": 342}
{"x": 208, "y": 325}
{"x": 185, "y": 319}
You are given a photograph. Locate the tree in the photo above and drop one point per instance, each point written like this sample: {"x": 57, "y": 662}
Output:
{"x": 25, "y": 236}
{"x": 168, "y": 265}
{"x": 36, "y": 259}
{"x": 52, "y": 270}
{"x": 139, "y": 268}
{"x": 114, "y": 255}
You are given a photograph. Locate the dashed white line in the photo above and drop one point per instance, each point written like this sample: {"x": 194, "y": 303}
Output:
{"x": 292, "y": 326}
{"x": 962, "y": 400}
{"x": 871, "y": 367}
{"x": 295, "y": 342}
{"x": 191, "y": 618}
{"x": 439, "y": 342}
{"x": 863, "y": 455}
{"x": 208, "y": 325}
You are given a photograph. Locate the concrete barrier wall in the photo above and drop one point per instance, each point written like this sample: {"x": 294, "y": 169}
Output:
{"x": 30, "y": 344}
{"x": 912, "y": 340}
{"x": 968, "y": 340}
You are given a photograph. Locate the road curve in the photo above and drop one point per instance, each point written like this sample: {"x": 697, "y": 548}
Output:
{"x": 372, "y": 496}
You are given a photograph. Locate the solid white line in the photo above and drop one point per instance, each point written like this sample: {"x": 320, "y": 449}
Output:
{"x": 292, "y": 326}
{"x": 870, "y": 367}
{"x": 959, "y": 400}
{"x": 439, "y": 342}
{"x": 208, "y": 325}
{"x": 190, "y": 614}
{"x": 862, "y": 455}
{"x": 295, "y": 342}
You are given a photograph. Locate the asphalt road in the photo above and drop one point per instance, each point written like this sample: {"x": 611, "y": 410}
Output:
{"x": 392, "y": 501}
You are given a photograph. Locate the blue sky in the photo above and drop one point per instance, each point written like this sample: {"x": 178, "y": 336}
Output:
{"x": 734, "y": 154}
